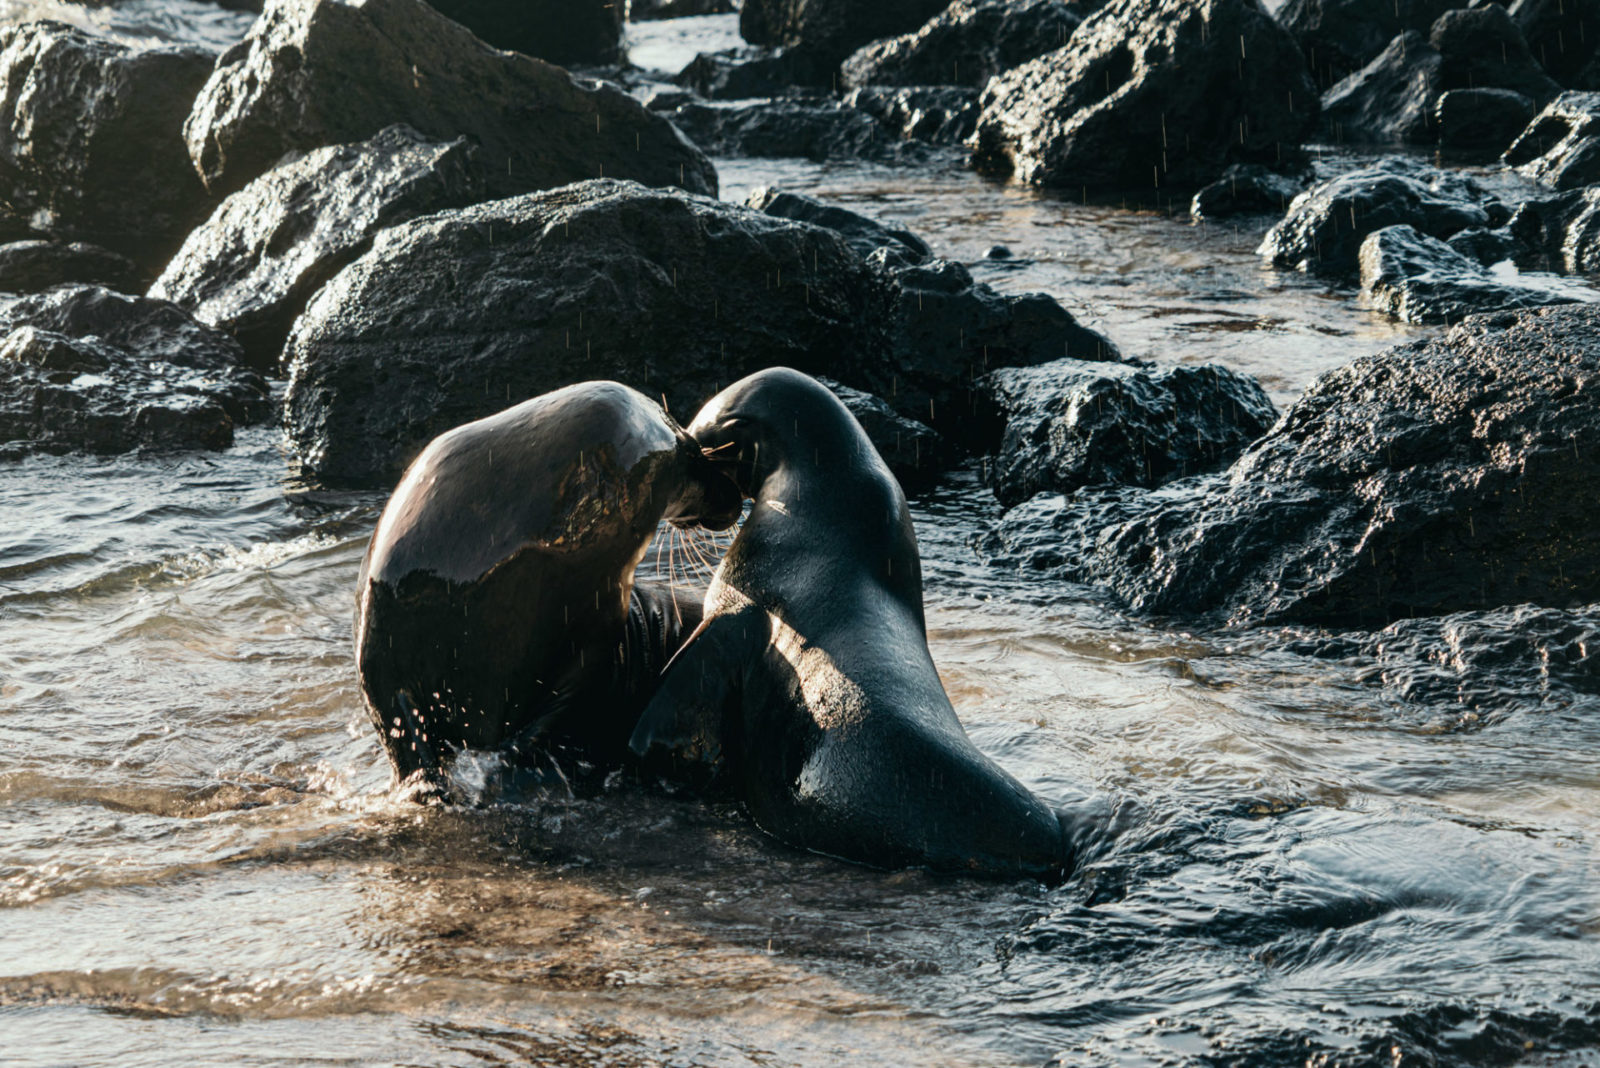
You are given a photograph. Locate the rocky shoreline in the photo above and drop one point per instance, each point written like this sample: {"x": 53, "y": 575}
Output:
{"x": 413, "y": 225}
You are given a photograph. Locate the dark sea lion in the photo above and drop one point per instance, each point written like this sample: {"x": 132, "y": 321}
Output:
{"x": 808, "y": 692}
{"x": 496, "y": 603}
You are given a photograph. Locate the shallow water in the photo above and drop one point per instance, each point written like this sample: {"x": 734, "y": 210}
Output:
{"x": 199, "y": 858}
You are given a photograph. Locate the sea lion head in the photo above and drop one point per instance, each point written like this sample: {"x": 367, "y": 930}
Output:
{"x": 777, "y": 419}
{"x": 708, "y": 497}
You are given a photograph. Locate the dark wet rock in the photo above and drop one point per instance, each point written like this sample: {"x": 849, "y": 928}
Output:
{"x": 1421, "y": 279}
{"x": 84, "y": 368}
{"x": 665, "y": 97}
{"x": 808, "y": 129}
{"x": 937, "y": 114}
{"x": 1245, "y": 189}
{"x": 1442, "y": 476}
{"x": 251, "y": 268}
{"x": 1487, "y": 119}
{"x": 1560, "y": 233}
{"x": 745, "y": 73}
{"x": 997, "y": 252}
{"x": 1326, "y": 224}
{"x": 1561, "y": 146}
{"x": 1150, "y": 94}
{"x": 1488, "y": 663}
{"x": 914, "y": 451}
{"x": 1070, "y": 424}
{"x": 829, "y": 30}
{"x": 314, "y": 73}
{"x": 945, "y": 329}
{"x": 1391, "y": 98}
{"x": 1342, "y": 36}
{"x": 567, "y": 32}
{"x": 1561, "y": 35}
{"x": 862, "y": 234}
{"x": 1394, "y": 97}
{"x": 91, "y": 138}
{"x": 641, "y": 10}
{"x": 459, "y": 314}
{"x": 30, "y": 266}
{"x": 966, "y": 44}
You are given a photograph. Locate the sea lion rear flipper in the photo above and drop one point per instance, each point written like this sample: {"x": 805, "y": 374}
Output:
{"x": 683, "y": 730}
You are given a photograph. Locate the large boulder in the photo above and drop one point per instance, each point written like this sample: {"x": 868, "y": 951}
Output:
{"x": 862, "y": 234}
{"x": 1561, "y": 146}
{"x": 1560, "y": 233}
{"x": 1070, "y": 424}
{"x": 1561, "y": 35}
{"x": 829, "y": 30}
{"x": 966, "y": 44}
{"x": 567, "y": 32}
{"x": 1483, "y": 119}
{"x": 83, "y": 368}
{"x": 314, "y": 73}
{"x": 37, "y": 264}
{"x": 455, "y": 315}
{"x": 1324, "y": 227}
{"x": 1150, "y": 94}
{"x": 1421, "y": 279}
{"x": 1342, "y": 36}
{"x": 92, "y": 144}
{"x": 1441, "y": 476}
{"x": 1395, "y": 96}
{"x": 251, "y": 268}
{"x": 748, "y": 73}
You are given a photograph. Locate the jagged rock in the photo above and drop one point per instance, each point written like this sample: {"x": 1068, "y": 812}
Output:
{"x": 29, "y": 266}
{"x": 83, "y": 368}
{"x": 1561, "y": 35}
{"x": 1559, "y": 233}
{"x": 641, "y": 10}
{"x": 1342, "y": 36}
{"x": 1150, "y": 94}
{"x": 1481, "y": 118}
{"x": 665, "y": 98}
{"x": 1394, "y": 97}
{"x": 1326, "y": 224}
{"x": 314, "y": 73}
{"x": 862, "y": 234}
{"x": 1561, "y": 146}
{"x": 966, "y": 44}
{"x": 459, "y": 314}
{"x": 92, "y": 143}
{"x": 1069, "y": 424}
{"x": 1441, "y": 476}
{"x": 944, "y": 329}
{"x": 1489, "y": 664}
{"x": 914, "y": 451}
{"x": 816, "y": 130}
{"x": 1421, "y": 279}
{"x": 937, "y": 114}
{"x": 676, "y": 295}
{"x": 829, "y": 30}
{"x": 251, "y": 268}
{"x": 746, "y": 73}
{"x": 1245, "y": 188}
{"x": 567, "y": 32}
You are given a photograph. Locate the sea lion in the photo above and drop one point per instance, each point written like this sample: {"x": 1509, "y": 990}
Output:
{"x": 496, "y": 603}
{"x": 808, "y": 692}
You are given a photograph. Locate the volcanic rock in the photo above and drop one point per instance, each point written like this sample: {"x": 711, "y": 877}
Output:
{"x": 1421, "y": 279}
{"x": 1150, "y": 94}
{"x": 251, "y": 268}
{"x": 1446, "y": 475}
{"x": 966, "y": 44}
{"x": 92, "y": 146}
{"x": 314, "y": 73}
{"x": 83, "y": 368}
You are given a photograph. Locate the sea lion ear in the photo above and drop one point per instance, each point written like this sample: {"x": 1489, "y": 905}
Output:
{"x": 683, "y": 732}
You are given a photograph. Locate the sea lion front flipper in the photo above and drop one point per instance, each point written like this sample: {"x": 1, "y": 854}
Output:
{"x": 684, "y": 729}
